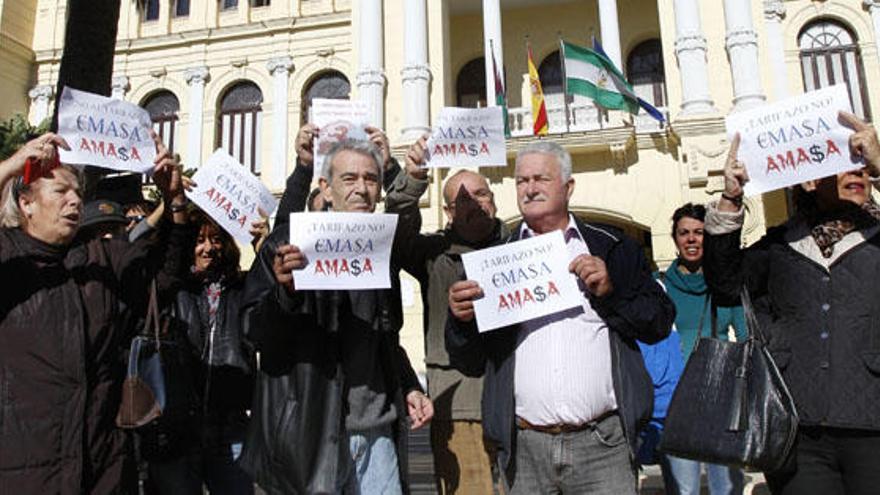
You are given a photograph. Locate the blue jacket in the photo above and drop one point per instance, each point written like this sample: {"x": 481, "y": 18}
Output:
{"x": 636, "y": 309}
{"x": 665, "y": 365}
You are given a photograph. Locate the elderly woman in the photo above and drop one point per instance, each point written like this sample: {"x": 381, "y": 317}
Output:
{"x": 815, "y": 283}
{"x": 209, "y": 305}
{"x": 60, "y": 367}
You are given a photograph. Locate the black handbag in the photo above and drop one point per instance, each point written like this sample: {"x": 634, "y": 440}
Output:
{"x": 731, "y": 405}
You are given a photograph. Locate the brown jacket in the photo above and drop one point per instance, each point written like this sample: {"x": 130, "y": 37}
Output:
{"x": 61, "y": 365}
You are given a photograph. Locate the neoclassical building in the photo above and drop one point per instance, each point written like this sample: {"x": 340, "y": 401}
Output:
{"x": 240, "y": 74}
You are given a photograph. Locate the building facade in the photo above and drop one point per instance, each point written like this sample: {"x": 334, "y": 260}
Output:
{"x": 239, "y": 74}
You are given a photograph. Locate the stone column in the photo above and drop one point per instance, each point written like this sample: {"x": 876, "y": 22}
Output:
{"x": 120, "y": 87}
{"x": 416, "y": 73}
{"x": 492, "y": 32}
{"x": 280, "y": 68}
{"x": 196, "y": 77}
{"x": 609, "y": 28}
{"x": 873, "y": 7}
{"x": 40, "y": 96}
{"x": 742, "y": 48}
{"x": 690, "y": 49}
{"x": 774, "y": 11}
{"x": 371, "y": 64}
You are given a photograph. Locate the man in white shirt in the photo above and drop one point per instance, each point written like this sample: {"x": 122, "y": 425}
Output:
{"x": 565, "y": 395}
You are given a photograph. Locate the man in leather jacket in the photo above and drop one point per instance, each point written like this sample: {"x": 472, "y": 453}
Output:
{"x": 335, "y": 385}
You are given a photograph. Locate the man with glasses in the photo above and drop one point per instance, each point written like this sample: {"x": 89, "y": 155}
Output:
{"x": 461, "y": 462}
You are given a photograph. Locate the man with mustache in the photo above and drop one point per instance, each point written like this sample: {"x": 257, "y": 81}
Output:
{"x": 461, "y": 463}
{"x": 565, "y": 395}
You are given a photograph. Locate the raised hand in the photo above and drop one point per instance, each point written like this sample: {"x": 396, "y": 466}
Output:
{"x": 863, "y": 142}
{"x": 304, "y": 143}
{"x": 735, "y": 177}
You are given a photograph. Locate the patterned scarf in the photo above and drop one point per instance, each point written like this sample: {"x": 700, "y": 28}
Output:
{"x": 212, "y": 292}
{"x": 828, "y": 231}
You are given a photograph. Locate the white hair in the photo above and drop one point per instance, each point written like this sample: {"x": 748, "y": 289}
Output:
{"x": 563, "y": 158}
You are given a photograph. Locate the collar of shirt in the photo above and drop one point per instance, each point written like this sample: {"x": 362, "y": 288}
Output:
{"x": 571, "y": 231}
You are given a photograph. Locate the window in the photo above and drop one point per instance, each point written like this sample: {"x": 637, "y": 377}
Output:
{"x": 181, "y": 8}
{"x": 644, "y": 70}
{"x": 260, "y": 3}
{"x": 830, "y": 55}
{"x": 149, "y": 10}
{"x": 550, "y": 72}
{"x": 330, "y": 84}
{"x": 238, "y": 128}
{"x": 470, "y": 87}
{"x": 228, "y": 4}
{"x": 163, "y": 107}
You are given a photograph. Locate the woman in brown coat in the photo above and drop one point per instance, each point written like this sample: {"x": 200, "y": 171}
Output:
{"x": 60, "y": 364}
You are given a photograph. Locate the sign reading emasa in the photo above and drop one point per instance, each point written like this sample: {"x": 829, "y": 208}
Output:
{"x": 467, "y": 137}
{"x": 794, "y": 141}
{"x": 105, "y": 132}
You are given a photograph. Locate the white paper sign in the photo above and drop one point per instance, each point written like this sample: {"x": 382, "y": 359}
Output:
{"x": 522, "y": 280}
{"x": 105, "y": 132}
{"x": 343, "y": 250}
{"x": 337, "y": 120}
{"x": 468, "y": 137}
{"x": 228, "y": 192}
{"x": 793, "y": 141}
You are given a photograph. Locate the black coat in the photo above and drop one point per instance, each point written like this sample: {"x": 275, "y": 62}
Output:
{"x": 61, "y": 369}
{"x": 823, "y": 324}
{"x": 636, "y": 309}
{"x": 296, "y": 442}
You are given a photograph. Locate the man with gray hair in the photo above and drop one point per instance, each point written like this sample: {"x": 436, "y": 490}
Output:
{"x": 565, "y": 395}
{"x": 461, "y": 460}
{"x": 335, "y": 388}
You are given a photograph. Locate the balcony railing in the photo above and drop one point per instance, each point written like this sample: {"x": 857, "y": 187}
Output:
{"x": 583, "y": 115}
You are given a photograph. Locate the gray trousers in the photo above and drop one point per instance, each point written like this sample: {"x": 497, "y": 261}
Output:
{"x": 594, "y": 461}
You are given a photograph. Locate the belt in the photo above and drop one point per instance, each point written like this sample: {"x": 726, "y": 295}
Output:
{"x": 562, "y": 427}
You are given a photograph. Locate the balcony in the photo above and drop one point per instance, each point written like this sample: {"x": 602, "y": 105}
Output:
{"x": 583, "y": 115}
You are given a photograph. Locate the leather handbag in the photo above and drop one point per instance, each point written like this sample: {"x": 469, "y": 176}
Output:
{"x": 143, "y": 391}
{"x": 731, "y": 405}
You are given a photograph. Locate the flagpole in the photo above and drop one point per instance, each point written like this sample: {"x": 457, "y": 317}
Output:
{"x": 564, "y": 82}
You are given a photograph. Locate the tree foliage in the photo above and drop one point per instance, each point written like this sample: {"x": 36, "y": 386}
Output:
{"x": 15, "y": 132}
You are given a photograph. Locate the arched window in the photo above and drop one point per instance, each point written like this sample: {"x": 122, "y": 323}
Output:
{"x": 830, "y": 55}
{"x": 238, "y": 128}
{"x": 550, "y": 72}
{"x": 644, "y": 70}
{"x": 163, "y": 107}
{"x": 470, "y": 87}
{"x": 331, "y": 84}
{"x": 149, "y": 10}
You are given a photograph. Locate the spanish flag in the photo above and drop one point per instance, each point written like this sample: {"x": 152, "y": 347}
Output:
{"x": 539, "y": 110}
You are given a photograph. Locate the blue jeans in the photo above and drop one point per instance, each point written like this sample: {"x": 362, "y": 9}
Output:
{"x": 374, "y": 468}
{"x": 682, "y": 477}
{"x": 595, "y": 461}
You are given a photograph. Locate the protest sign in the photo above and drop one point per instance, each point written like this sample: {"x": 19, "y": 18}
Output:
{"x": 343, "y": 250}
{"x": 337, "y": 120}
{"x": 467, "y": 137}
{"x": 522, "y": 280}
{"x": 227, "y": 192}
{"x": 105, "y": 132}
{"x": 793, "y": 141}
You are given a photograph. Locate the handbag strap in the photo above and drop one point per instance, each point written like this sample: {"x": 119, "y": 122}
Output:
{"x": 707, "y": 304}
{"x": 753, "y": 329}
{"x": 151, "y": 324}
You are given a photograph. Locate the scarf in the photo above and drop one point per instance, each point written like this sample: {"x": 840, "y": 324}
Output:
{"x": 828, "y": 231}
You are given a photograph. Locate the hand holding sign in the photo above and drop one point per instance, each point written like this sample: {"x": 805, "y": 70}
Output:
{"x": 415, "y": 159}
{"x": 39, "y": 154}
{"x": 287, "y": 259}
{"x": 380, "y": 140}
{"x": 863, "y": 143}
{"x": 594, "y": 274}
{"x": 461, "y": 299}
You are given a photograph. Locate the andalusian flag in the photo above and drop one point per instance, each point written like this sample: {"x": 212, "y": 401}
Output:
{"x": 539, "y": 110}
{"x": 589, "y": 74}
{"x": 500, "y": 97}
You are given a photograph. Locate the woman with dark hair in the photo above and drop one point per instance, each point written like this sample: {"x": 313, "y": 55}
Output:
{"x": 686, "y": 286}
{"x": 222, "y": 365}
{"x": 814, "y": 282}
